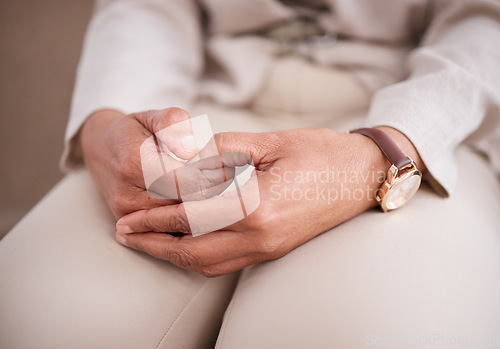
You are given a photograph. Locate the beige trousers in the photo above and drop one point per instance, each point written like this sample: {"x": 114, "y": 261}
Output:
{"x": 425, "y": 275}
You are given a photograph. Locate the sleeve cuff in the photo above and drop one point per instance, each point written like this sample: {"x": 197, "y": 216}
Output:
{"x": 437, "y": 154}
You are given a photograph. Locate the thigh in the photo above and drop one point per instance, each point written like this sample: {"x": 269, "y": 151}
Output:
{"x": 426, "y": 275}
{"x": 65, "y": 283}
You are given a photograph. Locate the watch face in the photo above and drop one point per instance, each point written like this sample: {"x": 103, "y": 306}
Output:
{"x": 402, "y": 192}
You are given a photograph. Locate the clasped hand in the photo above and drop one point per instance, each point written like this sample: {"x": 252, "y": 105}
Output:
{"x": 307, "y": 180}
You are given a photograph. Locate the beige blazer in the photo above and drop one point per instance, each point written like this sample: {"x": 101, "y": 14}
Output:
{"x": 433, "y": 66}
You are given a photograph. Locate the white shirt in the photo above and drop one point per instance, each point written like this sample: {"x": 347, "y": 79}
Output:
{"x": 440, "y": 92}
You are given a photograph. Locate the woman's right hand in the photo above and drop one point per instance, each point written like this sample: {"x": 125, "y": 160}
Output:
{"x": 112, "y": 144}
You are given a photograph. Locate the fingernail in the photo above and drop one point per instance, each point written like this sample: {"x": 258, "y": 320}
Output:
{"x": 188, "y": 144}
{"x": 124, "y": 229}
{"x": 121, "y": 239}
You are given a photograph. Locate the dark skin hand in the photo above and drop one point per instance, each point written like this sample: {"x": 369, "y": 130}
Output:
{"x": 111, "y": 144}
{"x": 280, "y": 223}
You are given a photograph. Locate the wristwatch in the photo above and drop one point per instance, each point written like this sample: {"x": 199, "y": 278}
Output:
{"x": 403, "y": 178}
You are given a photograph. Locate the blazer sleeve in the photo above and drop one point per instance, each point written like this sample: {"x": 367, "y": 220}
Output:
{"x": 452, "y": 93}
{"x": 137, "y": 55}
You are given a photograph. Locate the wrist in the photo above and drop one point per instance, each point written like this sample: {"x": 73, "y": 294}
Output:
{"x": 404, "y": 176}
{"x": 374, "y": 166}
{"x": 95, "y": 126}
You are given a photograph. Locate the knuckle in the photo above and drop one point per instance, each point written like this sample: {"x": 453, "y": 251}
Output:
{"x": 143, "y": 118}
{"x": 127, "y": 165}
{"x": 276, "y": 141}
{"x": 132, "y": 117}
{"x": 180, "y": 222}
{"x": 152, "y": 223}
{"x": 275, "y": 138}
{"x": 153, "y": 119}
{"x": 175, "y": 222}
{"x": 175, "y": 114}
{"x": 268, "y": 246}
{"x": 220, "y": 138}
{"x": 182, "y": 258}
{"x": 120, "y": 204}
{"x": 263, "y": 221}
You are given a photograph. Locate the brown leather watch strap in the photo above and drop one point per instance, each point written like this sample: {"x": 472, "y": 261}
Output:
{"x": 387, "y": 145}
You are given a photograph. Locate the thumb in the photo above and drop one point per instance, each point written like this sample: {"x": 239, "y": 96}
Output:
{"x": 171, "y": 140}
{"x": 243, "y": 148}
{"x": 173, "y": 130}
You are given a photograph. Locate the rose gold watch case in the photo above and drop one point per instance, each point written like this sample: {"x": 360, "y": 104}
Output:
{"x": 395, "y": 177}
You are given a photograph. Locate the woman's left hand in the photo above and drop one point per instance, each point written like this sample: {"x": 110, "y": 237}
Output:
{"x": 309, "y": 180}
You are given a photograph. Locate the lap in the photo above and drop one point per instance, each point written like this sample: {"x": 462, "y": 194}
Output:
{"x": 65, "y": 279}
{"x": 66, "y": 283}
{"x": 430, "y": 268}
{"x": 428, "y": 273}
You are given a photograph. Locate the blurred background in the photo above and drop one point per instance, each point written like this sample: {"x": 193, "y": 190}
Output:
{"x": 40, "y": 44}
